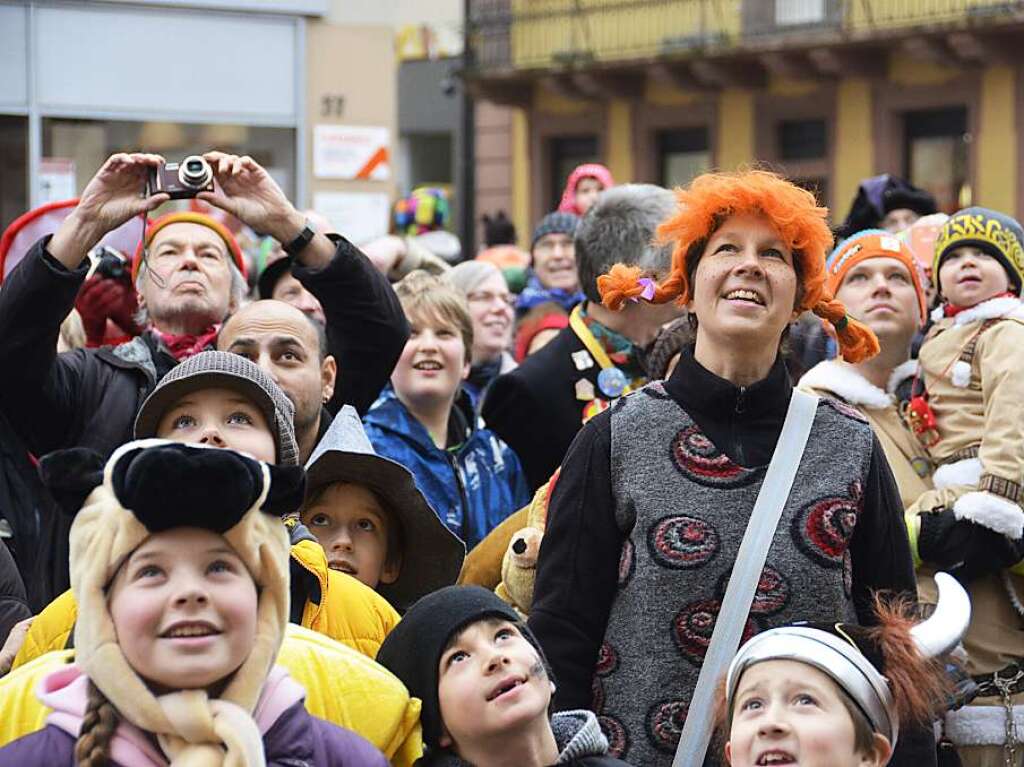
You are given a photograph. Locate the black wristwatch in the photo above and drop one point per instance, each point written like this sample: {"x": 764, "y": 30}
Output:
{"x": 303, "y": 239}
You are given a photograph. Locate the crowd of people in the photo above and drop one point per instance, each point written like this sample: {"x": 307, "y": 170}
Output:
{"x": 703, "y": 477}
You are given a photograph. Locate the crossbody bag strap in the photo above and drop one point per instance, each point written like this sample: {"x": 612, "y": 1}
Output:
{"x": 739, "y": 595}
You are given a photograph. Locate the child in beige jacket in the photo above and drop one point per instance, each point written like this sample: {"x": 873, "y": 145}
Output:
{"x": 970, "y": 415}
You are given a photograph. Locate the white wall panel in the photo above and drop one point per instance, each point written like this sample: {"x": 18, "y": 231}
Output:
{"x": 13, "y": 55}
{"x": 202, "y": 63}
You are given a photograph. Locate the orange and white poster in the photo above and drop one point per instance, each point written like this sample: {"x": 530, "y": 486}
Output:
{"x": 351, "y": 152}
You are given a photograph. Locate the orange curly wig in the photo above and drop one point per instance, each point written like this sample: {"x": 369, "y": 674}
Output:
{"x": 799, "y": 220}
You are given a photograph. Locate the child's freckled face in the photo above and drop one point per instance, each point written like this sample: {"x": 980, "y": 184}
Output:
{"x": 967, "y": 277}
{"x": 184, "y": 609}
{"x": 789, "y": 713}
{"x": 490, "y": 681}
{"x": 352, "y": 526}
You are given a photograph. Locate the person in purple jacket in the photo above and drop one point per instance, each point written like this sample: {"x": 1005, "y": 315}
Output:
{"x": 179, "y": 566}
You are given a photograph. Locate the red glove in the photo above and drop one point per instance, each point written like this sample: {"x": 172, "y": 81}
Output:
{"x": 102, "y": 298}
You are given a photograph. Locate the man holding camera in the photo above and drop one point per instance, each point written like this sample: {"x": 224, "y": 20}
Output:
{"x": 189, "y": 279}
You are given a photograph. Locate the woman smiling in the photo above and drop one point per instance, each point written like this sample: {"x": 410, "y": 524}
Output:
{"x": 655, "y": 494}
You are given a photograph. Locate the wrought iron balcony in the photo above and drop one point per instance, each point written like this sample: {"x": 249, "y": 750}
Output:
{"x": 510, "y": 36}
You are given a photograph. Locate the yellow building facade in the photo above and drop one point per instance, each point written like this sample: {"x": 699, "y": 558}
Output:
{"x": 829, "y": 92}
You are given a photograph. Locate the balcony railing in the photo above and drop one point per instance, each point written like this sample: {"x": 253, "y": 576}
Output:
{"x": 536, "y": 34}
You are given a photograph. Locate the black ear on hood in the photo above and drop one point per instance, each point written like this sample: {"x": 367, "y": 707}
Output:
{"x": 70, "y": 475}
{"x": 287, "y": 489}
{"x": 179, "y": 485}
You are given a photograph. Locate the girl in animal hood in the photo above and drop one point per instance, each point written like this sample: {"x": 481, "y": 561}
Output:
{"x": 179, "y": 565}
{"x": 655, "y": 494}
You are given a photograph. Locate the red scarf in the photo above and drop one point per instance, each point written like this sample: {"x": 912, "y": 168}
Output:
{"x": 185, "y": 345}
{"x": 948, "y": 310}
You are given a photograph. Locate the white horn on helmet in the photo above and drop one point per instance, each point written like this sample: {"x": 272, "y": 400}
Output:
{"x": 940, "y": 633}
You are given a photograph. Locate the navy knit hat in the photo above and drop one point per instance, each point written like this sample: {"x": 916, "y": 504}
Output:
{"x": 555, "y": 223}
{"x": 991, "y": 232}
{"x": 412, "y": 651}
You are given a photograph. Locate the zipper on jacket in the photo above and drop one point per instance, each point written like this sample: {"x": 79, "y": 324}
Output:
{"x": 739, "y": 410}
{"x": 463, "y": 497}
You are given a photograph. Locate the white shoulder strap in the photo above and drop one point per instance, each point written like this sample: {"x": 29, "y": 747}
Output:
{"x": 739, "y": 595}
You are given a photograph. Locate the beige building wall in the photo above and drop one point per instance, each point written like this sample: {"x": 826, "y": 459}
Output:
{"x": 350, "y": 80}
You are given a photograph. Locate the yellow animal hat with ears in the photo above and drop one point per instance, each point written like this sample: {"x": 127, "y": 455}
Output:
{"x": 154, "y": 485}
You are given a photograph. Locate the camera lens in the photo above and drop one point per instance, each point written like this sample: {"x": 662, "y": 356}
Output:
{"x": 195, "y": 172}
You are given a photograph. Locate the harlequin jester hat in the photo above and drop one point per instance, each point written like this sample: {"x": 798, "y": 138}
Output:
{"x": 884, "y": 670}
{"x": 425, "y": 210}
{"x": 799, "y": 221}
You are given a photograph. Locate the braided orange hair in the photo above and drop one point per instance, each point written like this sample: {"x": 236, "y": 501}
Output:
{"x": 796, "y": 216}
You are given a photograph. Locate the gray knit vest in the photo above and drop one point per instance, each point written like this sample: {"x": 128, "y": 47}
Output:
{"x": 682, "y": 507}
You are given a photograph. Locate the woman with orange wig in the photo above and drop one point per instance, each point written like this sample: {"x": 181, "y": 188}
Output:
{"x": 655, "y": 494}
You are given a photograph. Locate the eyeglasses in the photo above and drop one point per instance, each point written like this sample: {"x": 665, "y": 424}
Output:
{"x": 486, "y": 297}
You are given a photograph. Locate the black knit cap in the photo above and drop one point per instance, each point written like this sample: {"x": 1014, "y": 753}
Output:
{"x": 412, "y": 651}
{"x": 271, "y": 275}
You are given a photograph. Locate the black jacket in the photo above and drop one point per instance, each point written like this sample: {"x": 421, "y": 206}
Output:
{"x": 13, "y": 602}
{"x": 577, "y": 570}
{"x": 534, "y": 407}
{"x": 89, "y": 397}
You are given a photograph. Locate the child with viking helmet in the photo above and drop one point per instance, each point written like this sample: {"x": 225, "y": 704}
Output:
{"x": 179, "y": 565}
{"x": 654, "y": 496}
{"x": 968, "y": 413}
{"x": 838, "y": 694}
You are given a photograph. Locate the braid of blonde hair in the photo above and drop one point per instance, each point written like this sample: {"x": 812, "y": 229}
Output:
{"x": 101, "y": 719}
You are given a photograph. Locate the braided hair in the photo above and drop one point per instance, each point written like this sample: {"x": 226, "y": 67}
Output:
{"x": 92, "y": 749}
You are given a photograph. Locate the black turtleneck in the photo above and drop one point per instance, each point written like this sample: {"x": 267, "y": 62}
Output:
{"x": 744, "y": 422}
{"x": 577, "y": 573}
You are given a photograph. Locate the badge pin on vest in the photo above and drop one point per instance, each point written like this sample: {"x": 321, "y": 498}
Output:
{"x": 582, "y": 360}
{"x": 585, "y": 390}
{"x": 612, "y": 382}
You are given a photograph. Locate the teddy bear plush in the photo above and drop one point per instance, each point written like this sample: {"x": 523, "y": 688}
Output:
{"x": 519, "y": 566}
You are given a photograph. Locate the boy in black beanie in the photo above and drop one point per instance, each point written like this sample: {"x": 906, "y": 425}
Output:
{"x": 485, "y": 686}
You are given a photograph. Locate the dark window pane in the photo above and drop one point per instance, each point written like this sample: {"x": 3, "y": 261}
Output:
{"x": 13, "y": 168}
{"x": 566, "y": 153}
{"x": 802, "y": 140}
{"x": 682, "y": 154}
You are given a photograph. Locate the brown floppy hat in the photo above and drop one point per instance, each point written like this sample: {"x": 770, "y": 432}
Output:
{"x": 433, "y": 554}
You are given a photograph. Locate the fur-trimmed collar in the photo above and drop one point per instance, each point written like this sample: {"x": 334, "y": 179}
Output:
{"x": 994, "y": 308}
{"x": 901, "y": 373}
{"x": 845, "y": 382}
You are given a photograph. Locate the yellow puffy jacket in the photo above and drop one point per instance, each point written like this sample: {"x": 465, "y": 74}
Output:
{"x": 336, "y": 605}
{"x": 342, "y": 686}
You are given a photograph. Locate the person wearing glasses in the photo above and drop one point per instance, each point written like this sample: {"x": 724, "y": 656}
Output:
{"x": 491, "y": 309}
